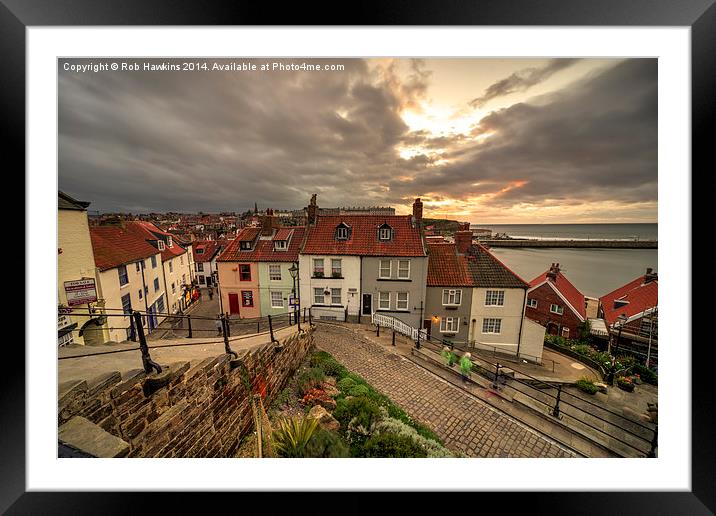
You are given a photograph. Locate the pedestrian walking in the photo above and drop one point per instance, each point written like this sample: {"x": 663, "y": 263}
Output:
{"x": 219, "y": 325}
{"x": 466, "y": 366}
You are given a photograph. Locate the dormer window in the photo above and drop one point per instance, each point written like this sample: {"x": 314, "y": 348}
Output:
{"x": 160, "y": 245}
{"x": 342, "y": 232}
{"x": 200, "y": 250}
{"x": 169, "y": 242}
{"x": 385, "y": 233}
{"x": 280, "y": 245}
{"x": 245, "y": 245}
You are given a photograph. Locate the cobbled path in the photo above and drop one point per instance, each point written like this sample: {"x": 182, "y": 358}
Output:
{"x": 464, "y": 423}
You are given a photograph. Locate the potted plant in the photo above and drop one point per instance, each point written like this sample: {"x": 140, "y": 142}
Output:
{"x": 318, "y": 274}
{"x": 625, "y": 383}
{"x": 335, "y": 274}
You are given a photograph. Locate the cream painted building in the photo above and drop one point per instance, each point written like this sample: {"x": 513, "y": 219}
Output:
{"x": 75, "y": 261}
{"x": 330, "y": 296}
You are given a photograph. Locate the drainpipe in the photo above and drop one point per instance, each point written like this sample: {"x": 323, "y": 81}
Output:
{"x": 360, "y": 291}
{"x": 164, "y": 277}
{"x": 522, "y": 320}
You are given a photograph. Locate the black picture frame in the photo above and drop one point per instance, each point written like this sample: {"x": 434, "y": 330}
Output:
{"x": 699, "y": 15}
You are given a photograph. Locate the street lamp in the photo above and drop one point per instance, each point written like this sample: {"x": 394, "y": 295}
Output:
{"x": 293, "y": 270}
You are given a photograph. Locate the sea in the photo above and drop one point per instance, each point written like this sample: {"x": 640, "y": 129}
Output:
{"x": 595, "y": 272}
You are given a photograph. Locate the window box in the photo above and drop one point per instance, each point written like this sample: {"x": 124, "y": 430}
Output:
{"x": 336, "y": 275}
{"x": 317, "y": 274}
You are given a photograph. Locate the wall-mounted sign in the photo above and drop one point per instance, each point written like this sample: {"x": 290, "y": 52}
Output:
{"x": 292, "y": 301}
{"x": 80, "y": 292}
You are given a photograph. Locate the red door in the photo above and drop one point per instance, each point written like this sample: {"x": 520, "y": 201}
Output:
{"x": 234, "y": 303}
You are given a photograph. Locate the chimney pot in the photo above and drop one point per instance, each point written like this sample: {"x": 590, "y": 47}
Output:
{"x": 463, "y": 241}
{"x": 418, "y": 209}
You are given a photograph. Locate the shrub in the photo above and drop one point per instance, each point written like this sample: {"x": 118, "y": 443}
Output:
{"x": 309, "y": 379}
{"x": 583, "y": 349}
{"x": 586, "y": 385}
{"x": 346, "y": 384}
{"x": 282, "y": 399}
{"x": 360, "y": 411}
{"x": 329, "y": 365}
{"x": 359, "y": 390}
{"x": 625, "y": 383}
{"x": 325, "y": 444}
{"x": 431, "y": 447}
{"x": 292, "y": 436}
{"x": 392, "y": 445}
{"x": 646, "y": 374}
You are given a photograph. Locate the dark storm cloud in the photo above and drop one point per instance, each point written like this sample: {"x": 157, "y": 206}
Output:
{"x": 522, "y": 80}
{"x": 593, "y": 141}
{"x": 178, "y": 141}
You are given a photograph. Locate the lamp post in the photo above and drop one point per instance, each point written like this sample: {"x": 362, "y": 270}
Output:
{"x": 293, "y": 270}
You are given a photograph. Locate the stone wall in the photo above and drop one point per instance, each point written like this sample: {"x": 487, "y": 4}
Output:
{"x": 200, "y": 410}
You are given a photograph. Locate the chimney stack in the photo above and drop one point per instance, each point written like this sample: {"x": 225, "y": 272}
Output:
{"x": 312, "y": 211}
{"x": 418, "y": 210}
{"x": 267, "y": 223}
{"x": 553, "y": 271}
{"x": 463, "y": 240}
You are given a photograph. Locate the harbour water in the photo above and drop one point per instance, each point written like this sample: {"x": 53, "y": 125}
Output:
{"x": 594, "y": 271}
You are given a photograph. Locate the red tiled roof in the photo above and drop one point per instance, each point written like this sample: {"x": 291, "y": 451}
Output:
{"x": 149, "y": 231}
{"x": 263, "y": 250}
{"x": 640, "y": 296}
{"x": 565, "y": 287}
{"x": 113, "y": 246}
{"x": 488, "y": 271}
{"x": 283, "y": 234}
{"x": 446, "y": 268}
{"x": 363, "y": 240}
{"x": 209, "y": 247}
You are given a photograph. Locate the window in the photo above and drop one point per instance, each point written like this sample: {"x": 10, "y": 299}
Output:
{"x": 126, "y": 304}
{"x": 123, "y": 278}
{"x": 318, "y": 267}
{"x": 154, "y": 262}
{"x": 384, "y": 233}
{"x": 401, "y": 301}
{"x": 318, "y": 298}
{"x": 247, "y": 298}
{"x": 139, "y": 292}
{"x": 181, "y": 260}
{"x": 199, "y": 267}
{"x": 556, "y": 309}
{"x": 170, "y": 243}
{"x": 385, "y": 269}
{"x": 174, "y": 288}
{"x": 491, "y": 325}
{"x": 245, "y": 245}
{"x": 404, "y": 269}
{"x": 183, "y": 279}
{"x": 245, "y": 272}
{"x": 335, "y": 296}
{"x": 201, "y": 279}
{"x": 449, "y": 324}
{"x": 160, "y": 245}
{"x": 384, "y": 300}
{"x": 342, "y": 232}
{"x": 280, "y": 245}
{"x": 156, "y": 284}
{"x": 532, "y": 303}
{"x": 171, "y": 267}
{"x": 276, "y": 300}
{"x": 275, "y": 272}
{"x": 565, "y": 333}
{"x": 494, "y": 298}
{"x": 336, "y": 270}
{"x": 200, "y": 250}
{"x": 137, "y": 264}
{"x": 452, "y": 296}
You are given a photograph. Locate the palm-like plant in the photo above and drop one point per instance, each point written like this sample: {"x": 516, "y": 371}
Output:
{"x": 292, "y": 436}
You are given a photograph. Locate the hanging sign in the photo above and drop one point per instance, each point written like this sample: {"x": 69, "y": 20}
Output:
{"x": 80, "y": 292}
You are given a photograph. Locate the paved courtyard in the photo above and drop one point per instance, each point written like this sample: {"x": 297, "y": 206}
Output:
{"x": 463, "y": 422}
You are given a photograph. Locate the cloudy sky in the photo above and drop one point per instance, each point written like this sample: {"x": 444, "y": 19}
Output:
{"x": 484, "y": 140}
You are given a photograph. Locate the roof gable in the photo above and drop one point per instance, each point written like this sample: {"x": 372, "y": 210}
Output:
{"x": 567, "y": 291}
{"x": 640, "y": 297}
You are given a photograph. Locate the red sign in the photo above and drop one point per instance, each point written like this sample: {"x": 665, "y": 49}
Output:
{"x": 80, "y": 292}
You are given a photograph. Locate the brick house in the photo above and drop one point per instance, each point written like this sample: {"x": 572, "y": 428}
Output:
{"x": 555, "y": 303}
{"x": 638, "y": 302}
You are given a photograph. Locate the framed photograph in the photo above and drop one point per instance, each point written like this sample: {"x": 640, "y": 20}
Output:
{"x": 488, "y": 184}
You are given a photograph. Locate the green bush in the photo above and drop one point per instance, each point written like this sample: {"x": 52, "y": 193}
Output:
{"x": 394, "y": 426}
{"x": 583, "y": 349}
{"x": 586, "y": 385}
{"x": 309, "y": 379}
{"x": 318, "y": 357}
{"x": 346, "y": 384}
{"x": 359, "y": 390}
{"x": 392, "y": 445}
{"x": 360, "y": 411}
{"x": 625, "y": 384}
{"x": 292, "y": 436}
{"x": 647, "y": 375}
{"x": 329, "y": 365}
{"x": 325, "y": 444}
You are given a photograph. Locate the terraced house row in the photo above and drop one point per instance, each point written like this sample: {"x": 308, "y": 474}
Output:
{"x": 347, "y": 267}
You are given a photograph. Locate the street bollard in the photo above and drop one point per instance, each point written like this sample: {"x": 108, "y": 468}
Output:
{"x": 273, "y": 339}
{"x": 497, "y": 375}
{"x": 377, "y": 330}
{"x": 188, "y": 318}
{"x": 393, "y": 337}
